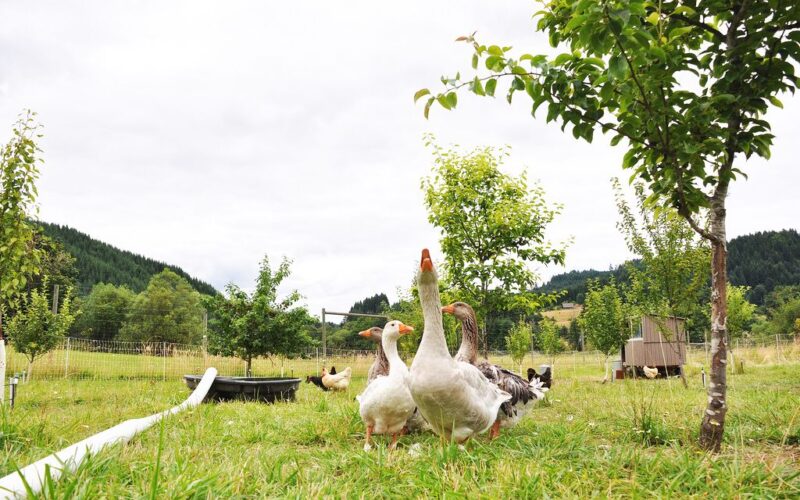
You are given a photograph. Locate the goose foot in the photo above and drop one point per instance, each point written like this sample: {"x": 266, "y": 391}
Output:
{"x": 495, "y": 432}
{"x": 367, "y": 445}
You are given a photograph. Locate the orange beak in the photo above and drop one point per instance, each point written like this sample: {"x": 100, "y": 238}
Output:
{"x": 365, "y": 333}
{"x": 449, "y": 309}
{"x": 404, "y": 329}
{"x": 426, "y": 264}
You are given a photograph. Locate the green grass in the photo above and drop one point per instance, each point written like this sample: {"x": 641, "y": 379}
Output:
{"x": 631, "y": 438}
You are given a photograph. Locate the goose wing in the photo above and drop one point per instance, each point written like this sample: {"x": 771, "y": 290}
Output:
{"x": 521, "y": 390}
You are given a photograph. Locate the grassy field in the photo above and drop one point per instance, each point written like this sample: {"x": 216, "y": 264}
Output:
{"x": 563, "y": 317}
{"x": 627, "y": 438}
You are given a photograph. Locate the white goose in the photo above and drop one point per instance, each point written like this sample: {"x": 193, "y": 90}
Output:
{"x": 453, "y": 396}
{"x": 386, "y": 403}
{"x": 524, "y": 393}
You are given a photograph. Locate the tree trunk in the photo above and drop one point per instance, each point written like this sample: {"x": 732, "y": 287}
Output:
{"x": 713, "y": 425}
{"x": 605, "y": 377}
{"x": 248, "y": 372}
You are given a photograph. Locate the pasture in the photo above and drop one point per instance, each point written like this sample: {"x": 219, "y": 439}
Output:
{"x": 627, "y": 438}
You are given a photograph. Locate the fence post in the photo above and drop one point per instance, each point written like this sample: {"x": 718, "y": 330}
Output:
{"x": 164, "y": 354}
{"x": 205, "y": 351}
{"x": 778, "y": 346}
{"x": 66, "y": 359}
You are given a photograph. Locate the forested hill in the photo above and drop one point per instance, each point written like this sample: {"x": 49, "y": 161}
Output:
{"x": 761, "y": 261}
{"x": 99, "y": 262}
{"x": 764, "y": 260}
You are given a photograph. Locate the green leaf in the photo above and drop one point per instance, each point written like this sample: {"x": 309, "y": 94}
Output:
{"x": 452, "y": 99}
{"x": 490, "y": 86}
{"x": 428, "y": 107}
{"x": 495, "y": 50}
{"x": 494, "y": 63}
{"x": 443, "y": 102}
{"x": 617, "y": 67}
{"x": 653, "y": 18}
{"x": 677, "y": 32}
{"x": 421, "y": 93}
{"x": 562, "y": 58}
{"x": 574, "y": 22}
{"x": 477, "y": 86}
{"x": 658, "y": 52}
{"x": 684, "y": 10}
{"x": 774, "y": 100}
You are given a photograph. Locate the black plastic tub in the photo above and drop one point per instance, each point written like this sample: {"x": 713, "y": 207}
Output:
{"x": 248, "y": 388}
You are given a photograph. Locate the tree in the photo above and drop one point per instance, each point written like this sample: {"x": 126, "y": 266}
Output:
{"x": 518, "y": 342}
{"x": 492, "y": 227}
{"x": 740, "y": 311}
{"x": 670, "y": 275}
{"x": 19, "y": 170}
{"x": 604, "y": 319}
{"x": 783, "y": 311}
{"x": 36, "y": 329}
{"x": 574, "y": 335}
{"x": 261, "y": 324}
{"x": 548, "y": 339}
{"x": 168, "y": 310}
{"x": 104, "y": 311}
{"x": 685, "y": 85}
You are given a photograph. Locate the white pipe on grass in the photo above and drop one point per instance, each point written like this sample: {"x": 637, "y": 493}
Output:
{"x": 13, "y": 485}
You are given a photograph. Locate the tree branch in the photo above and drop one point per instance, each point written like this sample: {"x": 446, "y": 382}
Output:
{"x": 717, "y": 34}
{"x": 646, "y": 102}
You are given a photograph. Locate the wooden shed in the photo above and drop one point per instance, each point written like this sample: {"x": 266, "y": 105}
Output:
{"x": 657, "y": 342}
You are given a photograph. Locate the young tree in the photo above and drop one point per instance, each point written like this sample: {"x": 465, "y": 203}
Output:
{"x": 518, "y": 342}
{"x": 492, "y": 228}
{"x": 19, "y": 170}
{"x": 168, "y": 310}
{"x": 36, "y": 329}
{"x": 740, "y": 311}
{"x": 549, "y": 340}
{"x": 685, "y": 84}
{"x": 604, "y": 320}
{"x": 261, "y": 324}
{"x": 670, "y": 276}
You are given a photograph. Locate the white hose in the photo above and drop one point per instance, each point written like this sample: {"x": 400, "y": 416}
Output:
{"x": 12, "y": 486}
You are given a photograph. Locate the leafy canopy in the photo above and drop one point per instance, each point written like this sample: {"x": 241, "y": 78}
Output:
{"x": 518, "y": 340}
{"x": 604, "y": 319}
{"x": 168, "y": 310}
{"x": 492, "y": 228}
{"x": 685, "y": 84}
{"x": 740, "y": 311}
{"x": 259, "y": 324}
{"x": 19, "y": 170}
{"x": 548, "y": 339}
{"x": 670, "y": 276}
{"x": 36, "y": 330}
{"x": 104, "y": 311}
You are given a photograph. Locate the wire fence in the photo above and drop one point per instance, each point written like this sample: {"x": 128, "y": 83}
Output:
{"x": 77, "y": 358}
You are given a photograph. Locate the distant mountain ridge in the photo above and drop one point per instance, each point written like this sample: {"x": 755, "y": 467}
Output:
{"x": 761, "y": 261}
{"x": 99, "y": 262}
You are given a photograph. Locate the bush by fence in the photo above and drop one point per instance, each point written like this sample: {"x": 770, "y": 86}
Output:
{"x": 109, "y": 359}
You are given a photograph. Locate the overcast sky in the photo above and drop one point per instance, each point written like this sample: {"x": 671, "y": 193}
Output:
{"x": 207, "y": 134}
